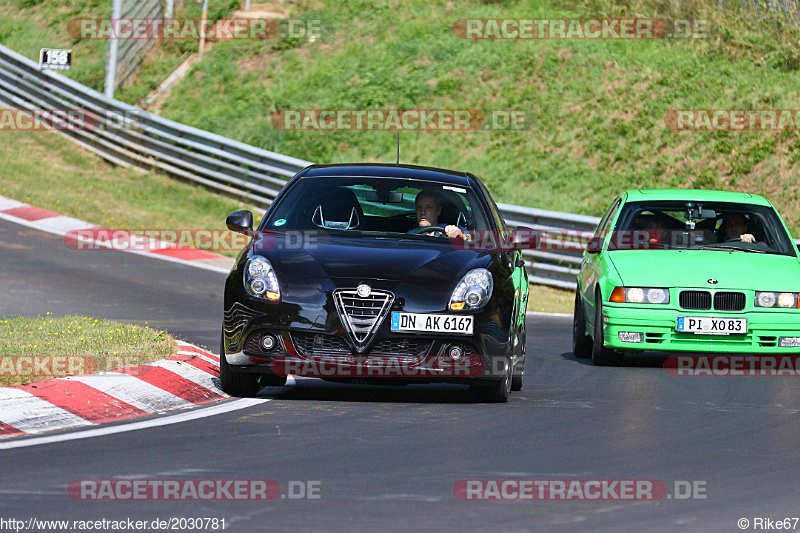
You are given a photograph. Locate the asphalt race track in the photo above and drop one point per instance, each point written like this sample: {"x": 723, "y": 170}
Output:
{"x": 389, "y": 457}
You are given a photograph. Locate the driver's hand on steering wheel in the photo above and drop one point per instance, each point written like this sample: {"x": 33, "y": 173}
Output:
{"x": 747, "y": 237}
{"x": 454, "y": 232}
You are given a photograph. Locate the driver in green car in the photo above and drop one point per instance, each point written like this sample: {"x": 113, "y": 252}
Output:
{"x": 428, "y": 209}
{"x": 734, "y": 226}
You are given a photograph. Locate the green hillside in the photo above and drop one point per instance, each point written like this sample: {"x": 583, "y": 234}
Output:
{"x": 598, "y": 105}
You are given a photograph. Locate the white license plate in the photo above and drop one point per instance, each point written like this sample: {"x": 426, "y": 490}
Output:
{"x": 426, "y": 323}
{"x": 704, "y": 325}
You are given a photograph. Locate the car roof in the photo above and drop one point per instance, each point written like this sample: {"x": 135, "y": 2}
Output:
{"x": 697, "y": 195}
{"x": 391, "y": 171}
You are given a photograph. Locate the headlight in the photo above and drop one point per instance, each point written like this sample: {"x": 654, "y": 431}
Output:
{"x": 640, "y": 295}
{"x": 260, "y": 280}
{"x": 473, "y": 291}
{"x": 776, "y": 299}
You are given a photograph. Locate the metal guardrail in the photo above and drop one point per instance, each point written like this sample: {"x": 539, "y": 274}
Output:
{"x": 131, "y": 137}
{"x": 562, "y": 239}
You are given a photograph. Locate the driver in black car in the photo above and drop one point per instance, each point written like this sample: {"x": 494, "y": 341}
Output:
{"x": 428, "y": 209}
{"x": 734, "y": 226}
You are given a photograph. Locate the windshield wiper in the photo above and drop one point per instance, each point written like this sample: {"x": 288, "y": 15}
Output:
{"x": 730, "y": 248}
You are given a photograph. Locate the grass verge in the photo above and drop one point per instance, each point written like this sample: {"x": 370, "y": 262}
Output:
{"x": 47, "y": 170}
{"x": 41, "y": 348}
{"x": 550, "y": 300}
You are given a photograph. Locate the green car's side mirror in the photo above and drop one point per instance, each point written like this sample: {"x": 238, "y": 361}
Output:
{"x": 595, "y": 245}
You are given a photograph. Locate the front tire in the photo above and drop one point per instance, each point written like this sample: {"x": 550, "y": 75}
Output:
{"x": 581, "y": 343}
{"x": 496, "y": 391}
{"x": 235, "y": 383}
{"x": 602, "y": 356}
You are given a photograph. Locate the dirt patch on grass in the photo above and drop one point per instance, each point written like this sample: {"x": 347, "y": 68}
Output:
{"x": 264, "y": 10}
{"x": 260, "y": 62}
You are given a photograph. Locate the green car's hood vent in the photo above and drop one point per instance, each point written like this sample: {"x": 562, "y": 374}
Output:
{"x": 693, "y": 268}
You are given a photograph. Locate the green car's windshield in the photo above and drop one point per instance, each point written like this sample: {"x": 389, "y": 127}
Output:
{"x": 373, "y": 206}
{"x": 723, "y": 226}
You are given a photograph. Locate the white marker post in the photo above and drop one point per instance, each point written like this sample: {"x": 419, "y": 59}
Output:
{"x": 203, "y": 27}
{"x": 113, "y": 48}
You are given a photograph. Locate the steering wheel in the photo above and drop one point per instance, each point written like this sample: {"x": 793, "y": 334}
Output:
{"x": 430, "y": 229}
{"x": 737, "y": 239}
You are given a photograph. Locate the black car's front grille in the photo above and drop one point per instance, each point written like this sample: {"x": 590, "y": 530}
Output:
{"x": 403, "y": 346}
{"x": 729, "y": 301}
{"x": 700, "y": 300}
{"x": 362, "y": 315}
{"x": 319, "y": 344}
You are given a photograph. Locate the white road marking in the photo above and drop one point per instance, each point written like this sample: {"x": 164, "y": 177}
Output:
{"x": 192, "y": 373}
{"x": 199, "y": 356}
{"x": 133, "y": 426}
{"x": 133, "y": 391}
{"x": 202, "y": 412}
{"x": 31, "y": 414}
{"x": 8, "y": 203}
{"x": 62, "y": 225}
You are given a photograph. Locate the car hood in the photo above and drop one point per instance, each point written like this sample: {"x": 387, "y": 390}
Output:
{"x": 693, "y": 268}
{"x": 370, "y": 258}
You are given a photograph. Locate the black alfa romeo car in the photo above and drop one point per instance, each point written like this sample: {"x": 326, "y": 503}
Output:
{"x": 373, "y": 273}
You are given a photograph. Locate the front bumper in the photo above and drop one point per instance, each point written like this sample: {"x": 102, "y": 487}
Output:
{"x": 658, "y": 326}
{"x": 425, "y": 361}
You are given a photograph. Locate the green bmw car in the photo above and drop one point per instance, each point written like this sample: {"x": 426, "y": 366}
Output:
{"x": 687, "y": 271}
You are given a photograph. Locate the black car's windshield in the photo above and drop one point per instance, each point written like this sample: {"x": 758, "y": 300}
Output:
{"x": 375, "y": 206}
{"x": 722, "y": 226}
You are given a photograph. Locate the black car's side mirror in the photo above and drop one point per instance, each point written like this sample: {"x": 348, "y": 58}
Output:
{"x": 595, "y": 245}
{"x": 240, "y": 222}
{"x": 525, "y": 238}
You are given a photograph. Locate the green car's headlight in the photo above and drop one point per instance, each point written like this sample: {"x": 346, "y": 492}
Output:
{"x": 640, "y": 295}
{"x": 776, "y": 299}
